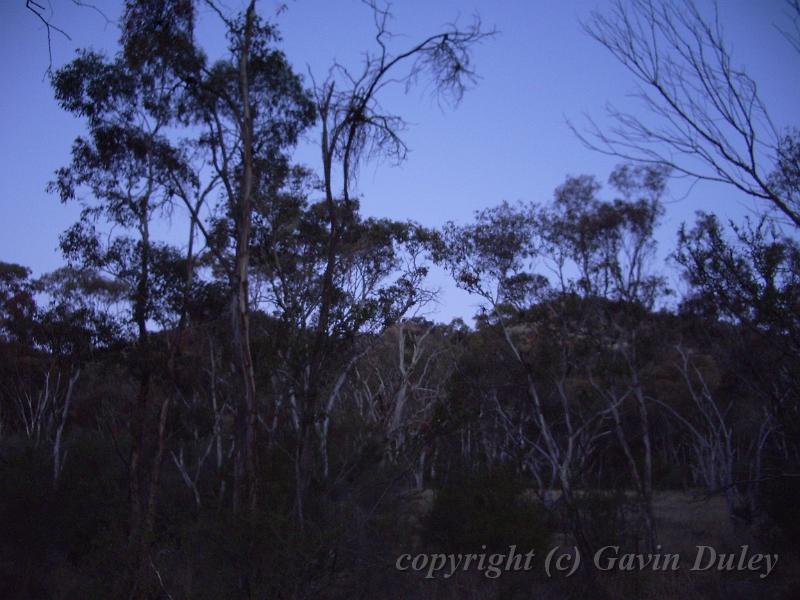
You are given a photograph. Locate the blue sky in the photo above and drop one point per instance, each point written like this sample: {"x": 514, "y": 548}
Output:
{"x": 508, "y": 140}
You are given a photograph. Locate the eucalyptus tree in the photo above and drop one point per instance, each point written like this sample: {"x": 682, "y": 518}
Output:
{"x": 493, "y": 258}
{"x": 17, "y": 304}
{"x": 744, "y": 290}
{"x": 354, "y": 128}
{"x": 122, "y": 173}
{"x": 603, "y": 252}
{"x": 378, "y": 278}
{"x": 399, "y": 391}
{"x": 250, "y": 108}
{"x": 78, "y": 323}
{"x": 598, "y": 255}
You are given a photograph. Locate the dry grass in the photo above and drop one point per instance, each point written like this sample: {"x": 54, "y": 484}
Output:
{"x": 684, "y": 521}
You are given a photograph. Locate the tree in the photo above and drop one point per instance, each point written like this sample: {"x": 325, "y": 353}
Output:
{"x": 17, "y": 304}
{"x": 493, "y": 259}
{"x": 78, "y": 322}
{"x": 609, "y": 243}
{"x": 252, "y": 107}
{"x": 589, "y": 320}
{"x": 377, "y": 279}
{"x": 611, "y": 246}
{"x": 355, "y": 128}
{"x": 399, "y": 391}
{"x": 706, "y": 118}
{"x": 745, "y": 289}
{"x": 127, "y": 166}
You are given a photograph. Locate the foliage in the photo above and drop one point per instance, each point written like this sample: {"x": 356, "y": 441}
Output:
{"x": 486, "y": 512}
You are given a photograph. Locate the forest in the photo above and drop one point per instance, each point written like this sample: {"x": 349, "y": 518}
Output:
{"x": 260, "y": 410}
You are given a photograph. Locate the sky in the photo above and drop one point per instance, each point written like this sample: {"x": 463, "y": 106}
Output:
{"x": 507, "y": 140}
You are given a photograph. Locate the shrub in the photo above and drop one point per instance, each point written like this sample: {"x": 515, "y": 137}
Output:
{"x": 489, "y": 509}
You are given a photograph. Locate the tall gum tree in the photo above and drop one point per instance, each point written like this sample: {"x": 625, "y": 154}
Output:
{"x": 122, "y": 173}
{"x": 251, "y": 108}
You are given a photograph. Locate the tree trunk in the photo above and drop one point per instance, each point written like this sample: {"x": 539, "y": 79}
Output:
{"x": 246, "y": 465}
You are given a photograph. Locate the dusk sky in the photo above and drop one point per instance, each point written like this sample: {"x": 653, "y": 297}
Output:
{"x": 508, "y": 140}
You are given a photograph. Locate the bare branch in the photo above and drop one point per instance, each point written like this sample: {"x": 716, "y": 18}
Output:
{"x": 45, "y": 17}
{"x": 706, "y": 119}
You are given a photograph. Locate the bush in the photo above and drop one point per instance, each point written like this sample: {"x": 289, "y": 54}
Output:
{"x": 779, "y": 497}
{"x": 607, "y": 517}
{"x": 53, "y": 541}
{"x": 489, "y": 510}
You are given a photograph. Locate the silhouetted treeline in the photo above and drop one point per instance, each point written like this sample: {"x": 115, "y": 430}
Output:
{"x": 259, "y": 413}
